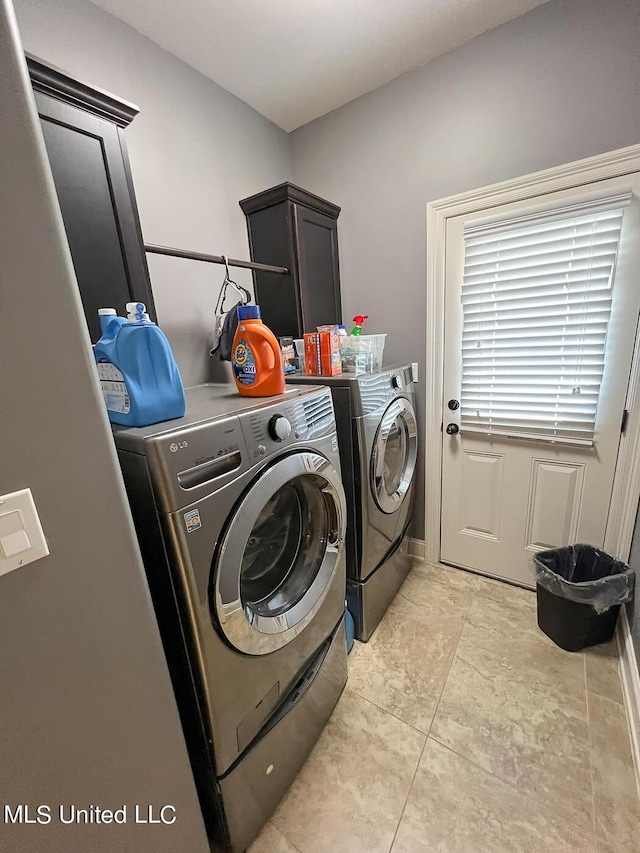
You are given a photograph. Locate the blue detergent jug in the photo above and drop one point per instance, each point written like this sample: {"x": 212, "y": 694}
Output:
{"x": 350, "y": 628}
{"x": 140, "y": 380}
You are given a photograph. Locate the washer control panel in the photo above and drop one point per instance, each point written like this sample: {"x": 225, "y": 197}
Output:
{"x": 302, "y": 418}
{"x": 193, "y": 460}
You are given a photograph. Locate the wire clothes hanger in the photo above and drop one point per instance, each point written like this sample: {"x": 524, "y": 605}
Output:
{"x": 243, "y": 293}
{"x": 226, "y": 319}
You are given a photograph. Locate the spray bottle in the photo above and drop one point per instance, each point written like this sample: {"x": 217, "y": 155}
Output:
{"x": 359, "y": 320}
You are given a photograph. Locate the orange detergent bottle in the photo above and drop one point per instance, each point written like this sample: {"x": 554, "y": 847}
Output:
{"x": 257, "y": 360}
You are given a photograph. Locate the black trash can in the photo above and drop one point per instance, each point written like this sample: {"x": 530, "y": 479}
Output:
{"x": 579, "y": 591}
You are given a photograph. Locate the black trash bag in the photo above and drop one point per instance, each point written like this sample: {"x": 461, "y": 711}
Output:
{"x": 224, "y": 335}
{"x": 585, "y": 575}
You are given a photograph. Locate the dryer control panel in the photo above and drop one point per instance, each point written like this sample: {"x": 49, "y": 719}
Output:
{"x": 377, "y": 389}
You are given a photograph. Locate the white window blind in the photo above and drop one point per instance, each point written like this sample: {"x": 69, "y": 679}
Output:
{"x": 536, "y": 298}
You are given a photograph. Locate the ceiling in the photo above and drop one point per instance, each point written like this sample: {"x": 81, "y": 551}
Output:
{"x": 295, "y": 60}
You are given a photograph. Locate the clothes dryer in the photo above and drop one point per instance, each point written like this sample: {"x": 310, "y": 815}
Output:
{"x": 378, "y": 436}
{"x": 241, "y": 519}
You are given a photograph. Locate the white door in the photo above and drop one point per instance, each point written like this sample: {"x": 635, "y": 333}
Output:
{"x": 540, "y": 325}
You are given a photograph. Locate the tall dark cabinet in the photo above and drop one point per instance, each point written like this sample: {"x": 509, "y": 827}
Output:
{"x": 83, "y": 132}
{"x": 293, "y": 228}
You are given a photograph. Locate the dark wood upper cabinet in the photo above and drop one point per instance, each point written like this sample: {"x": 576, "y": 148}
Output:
{"x": 83, "y": 131}
{"x": 293, "y": 228}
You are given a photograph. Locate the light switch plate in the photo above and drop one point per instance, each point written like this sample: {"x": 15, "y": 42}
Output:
{"x": 414, "y": 370}
{"x": 21, "y": 536}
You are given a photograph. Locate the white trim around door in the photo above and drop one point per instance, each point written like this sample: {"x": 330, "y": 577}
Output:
{"x": 626, "y": 487}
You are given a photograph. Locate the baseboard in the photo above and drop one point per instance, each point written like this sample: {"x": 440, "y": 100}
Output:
{"x": 417, "y": 548}
{"x": 630, "y": 676}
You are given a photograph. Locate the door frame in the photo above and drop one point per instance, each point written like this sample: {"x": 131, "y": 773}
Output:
{"x": 626, "y": 484}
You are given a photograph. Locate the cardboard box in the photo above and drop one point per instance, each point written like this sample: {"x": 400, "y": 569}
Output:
{"x": 330, "y": 353}
{"x": 322, "y": 354}
{"x": 312, "y": 365}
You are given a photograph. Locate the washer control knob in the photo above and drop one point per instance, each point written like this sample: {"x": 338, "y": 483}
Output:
{"x": 261, "y": 450}
{"x": 396, "y": 381}
{"x": 279, "y": 428}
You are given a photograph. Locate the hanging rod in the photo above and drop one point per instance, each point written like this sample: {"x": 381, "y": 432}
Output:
{"x": 212, "y": 259}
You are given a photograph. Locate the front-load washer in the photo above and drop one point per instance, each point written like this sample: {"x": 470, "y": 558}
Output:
{"x": 241, "y": 518}
{"x": 378, "y": 437}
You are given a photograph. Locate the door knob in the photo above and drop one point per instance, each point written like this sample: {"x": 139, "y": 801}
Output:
{"x": 453, "y": 405}
{"x": 453, "y": 429}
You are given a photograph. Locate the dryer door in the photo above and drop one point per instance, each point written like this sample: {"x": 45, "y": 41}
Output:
{"x": 393, "y": 459}
{"x": 279, "y": 555}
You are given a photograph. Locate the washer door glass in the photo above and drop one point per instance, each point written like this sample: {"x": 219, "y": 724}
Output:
{"x": 280, "y": 553}
{"x": 286, "y": 547}
{"x": 394, "y": 454}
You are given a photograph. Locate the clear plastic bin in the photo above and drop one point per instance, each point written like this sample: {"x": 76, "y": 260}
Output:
{"x": 299, "y": 345}
{"x": 362, "y": 353}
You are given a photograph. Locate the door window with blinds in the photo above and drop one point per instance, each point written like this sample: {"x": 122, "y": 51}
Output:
{"x": 536, "y": 299}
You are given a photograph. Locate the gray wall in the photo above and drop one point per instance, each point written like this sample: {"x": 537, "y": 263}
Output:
{"x": 195, "y": 151}
{"x": 88, "y": 714}
{"x": 560, "y": 83}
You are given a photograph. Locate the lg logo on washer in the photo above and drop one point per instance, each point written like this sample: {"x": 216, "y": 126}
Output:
{"x": 178, "y": 445}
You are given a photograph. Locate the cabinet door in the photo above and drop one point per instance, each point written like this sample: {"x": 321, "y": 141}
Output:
{"x": 316, "y": 240}
{"x": 271, "y": 242}
{"x": 90, "y": 170}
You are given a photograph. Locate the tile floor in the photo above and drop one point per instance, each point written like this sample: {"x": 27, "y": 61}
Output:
{"x": 463, "y": 728}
